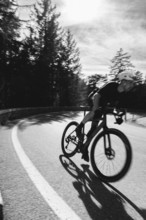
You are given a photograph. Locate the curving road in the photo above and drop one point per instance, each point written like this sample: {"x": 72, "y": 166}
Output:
{"x": 36, "y": 182}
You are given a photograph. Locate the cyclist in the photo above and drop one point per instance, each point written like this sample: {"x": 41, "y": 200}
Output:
{"x": 110, "y": 94}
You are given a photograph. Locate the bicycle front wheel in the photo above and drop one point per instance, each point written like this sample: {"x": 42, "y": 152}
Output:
{"x": 69, "y": 139}
{"x": 111, "y": 155}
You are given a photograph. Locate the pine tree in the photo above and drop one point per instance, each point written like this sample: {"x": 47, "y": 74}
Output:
{"x": 9, "y": 22}
{"x": 139, "y": 77}
{"x": 69, "y": 71}
{"x": 120, "y": 62}
{"x": 57, "y": 57}
{"x": 45, "y": 35}
{"x": 9, "y": 32}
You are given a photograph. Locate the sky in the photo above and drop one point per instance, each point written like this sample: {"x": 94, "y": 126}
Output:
{"x": 101, "y": 27}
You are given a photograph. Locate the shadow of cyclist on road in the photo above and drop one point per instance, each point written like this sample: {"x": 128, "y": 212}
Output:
{"x": 101, "y": 200}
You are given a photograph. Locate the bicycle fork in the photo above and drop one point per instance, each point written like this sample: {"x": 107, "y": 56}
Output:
{"x": 109, "y": 152}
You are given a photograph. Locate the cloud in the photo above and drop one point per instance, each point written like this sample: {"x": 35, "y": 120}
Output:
{"x": 117, "y": 24}
{"x": 122, "y": 25}
{"x": 135, "y": 9}
{"x": 59, "y": 3}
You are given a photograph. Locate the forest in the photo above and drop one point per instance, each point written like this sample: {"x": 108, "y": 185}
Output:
{"x": 41, "y": 68}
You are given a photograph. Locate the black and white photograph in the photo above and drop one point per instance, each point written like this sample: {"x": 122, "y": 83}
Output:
{"x": 72, "y": 110}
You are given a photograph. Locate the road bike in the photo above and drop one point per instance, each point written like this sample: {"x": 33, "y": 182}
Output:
{"x": 110, "y": 152}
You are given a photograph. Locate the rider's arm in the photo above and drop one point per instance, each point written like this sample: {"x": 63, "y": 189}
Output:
{"x": 96, "y": 101}
{"x": 90, "y": 115}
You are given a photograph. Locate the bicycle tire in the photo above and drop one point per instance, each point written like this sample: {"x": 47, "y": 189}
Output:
{"x": 126, "y": 163}
{"x": 72, "y": 124}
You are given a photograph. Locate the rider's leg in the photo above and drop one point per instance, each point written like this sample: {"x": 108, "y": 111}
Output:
{"x": 87, "y": 118}
{"x": 93, "y": 127}
{"x": 90, "y": 115}
{"x": 95, "y": 122}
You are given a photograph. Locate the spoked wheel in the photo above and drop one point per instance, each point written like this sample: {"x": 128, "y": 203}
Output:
{"x": 111, "y": 155}
{"x": 69, "y": 139}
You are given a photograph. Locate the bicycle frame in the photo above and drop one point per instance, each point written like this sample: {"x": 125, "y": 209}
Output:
{"x": 103, "y": 124}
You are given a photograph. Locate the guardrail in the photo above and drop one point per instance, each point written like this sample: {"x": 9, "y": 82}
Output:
{"x": 24, "y": 112}
{"x": 16, "y": 113}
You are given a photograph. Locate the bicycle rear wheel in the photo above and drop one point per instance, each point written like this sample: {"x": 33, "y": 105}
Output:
{"x": 69, "y": 140}
{"x": 111, "y": 164}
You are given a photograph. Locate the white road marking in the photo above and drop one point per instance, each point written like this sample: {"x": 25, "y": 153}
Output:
{"x": 1, "y": 199}
{"x": 57, "y": 204}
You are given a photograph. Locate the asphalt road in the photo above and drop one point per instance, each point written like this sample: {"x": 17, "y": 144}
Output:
{"x": 36, "y": 183}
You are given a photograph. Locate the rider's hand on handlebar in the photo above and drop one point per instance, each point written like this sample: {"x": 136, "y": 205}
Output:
{"x": 118, "y": 113}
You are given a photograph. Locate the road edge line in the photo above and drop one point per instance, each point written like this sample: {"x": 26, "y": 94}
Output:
{"x": 1, "y": 206}
{"x": 55, "y": 202}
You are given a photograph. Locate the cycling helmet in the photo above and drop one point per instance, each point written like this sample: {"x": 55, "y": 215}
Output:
{"x": 127, "y": 75}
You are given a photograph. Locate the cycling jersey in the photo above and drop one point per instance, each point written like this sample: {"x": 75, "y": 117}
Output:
{"x": 109, "y": 94}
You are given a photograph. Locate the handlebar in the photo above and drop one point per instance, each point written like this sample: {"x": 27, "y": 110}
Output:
{"x": 114, "y": 111}
{"x": 117, "y": 112}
